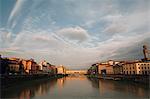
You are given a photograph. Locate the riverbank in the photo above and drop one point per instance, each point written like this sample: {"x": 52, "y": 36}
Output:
{"x": 7, "y": 81}
{"x": 143, "y": 79}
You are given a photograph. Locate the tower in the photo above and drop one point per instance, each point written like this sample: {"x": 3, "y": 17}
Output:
{"x": 145, "y": 52}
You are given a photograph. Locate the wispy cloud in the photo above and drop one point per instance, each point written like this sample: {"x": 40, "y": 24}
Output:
{"x": 15, "y": 11}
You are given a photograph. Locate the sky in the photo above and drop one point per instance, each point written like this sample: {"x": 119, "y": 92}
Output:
{"x": 74, "y": 33}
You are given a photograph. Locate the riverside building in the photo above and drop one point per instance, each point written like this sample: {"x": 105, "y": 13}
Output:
{"x": 132, "y": 68}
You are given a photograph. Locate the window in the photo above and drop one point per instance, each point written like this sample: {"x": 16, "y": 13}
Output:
{"x": 142, "y": 67}
{"x": 133, "y": 67}
{"x": 127, "y": 72}
{"x": 148, "y": 67}
{"x": 142, "y": 72}
{"x": 145, "y": 67}
{"x": 130, "y": 67}
{"x": 133, "y": 72}
{"x": 139, "y": 67}
{"x": 130, "y": 72}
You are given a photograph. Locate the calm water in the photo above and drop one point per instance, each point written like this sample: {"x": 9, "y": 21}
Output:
{"x": 77, "y": 87}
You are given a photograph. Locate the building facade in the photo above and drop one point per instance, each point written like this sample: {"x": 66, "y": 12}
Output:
{"x": 118, "y": 67}
{"x": 144, "y": 68}
{"x": 132, "y": 68}
{"x": 109, "y": 69}
{"x": 61, "y": 70}
{"x": 30, "y": 66}
{"x": 106, "y": 67}
{"x": 102, "y": 68}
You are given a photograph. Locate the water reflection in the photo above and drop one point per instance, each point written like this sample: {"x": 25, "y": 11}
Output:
{"x": 119, "y": 88}
{"x": 77, "y": 87}
{"x": 61, "y": 82}
{"x": 29, "y": 89}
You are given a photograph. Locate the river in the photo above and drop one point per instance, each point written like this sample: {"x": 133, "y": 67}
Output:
{"x": 77, "y": 87}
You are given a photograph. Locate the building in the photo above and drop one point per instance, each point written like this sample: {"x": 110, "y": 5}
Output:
{"x": 47, "y": 68}
{"x": 118, "y": 68}
{"x": 110, "y": 62}
{"x": 4, "y": 68}
{"x": 54, "y": 69}
{"x": 30, "y": 66}
{"x": 109, "y": 69}
{"x": 61, "y": 70}
{"x": 0, "y": 60}
{"x": 146, "y": 53}
{"x": 26, "y": 66}
{"x": 144, "y": 68}
{"x": 41, "y": 66}
{"x": 15, "y": 65}
{"x": 34, "y": 67}
{"x": 102, "y": 68}
{"x": 76, "y": 71}
{"x": 106, "y": 67}
{"x": 132, "y": 68}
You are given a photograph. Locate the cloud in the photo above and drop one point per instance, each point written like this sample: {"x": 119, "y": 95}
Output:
{"x": 76, "y": 33}
{"x": 36, "y": 40}
{"x": 126, "y": 23}
{"x": 16, "y": 9}
{"x": 5, "y": 38}
{"x": 121, "y": 46}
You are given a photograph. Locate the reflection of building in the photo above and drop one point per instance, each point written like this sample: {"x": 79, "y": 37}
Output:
{"x": 25, "y": 94}
{"x": 60, "y": 82}
{"x": 106, "y": 87}
{"x": 69, "y": 78}
{"x": 136, "y": 68}
{"x": 39, "y": 88}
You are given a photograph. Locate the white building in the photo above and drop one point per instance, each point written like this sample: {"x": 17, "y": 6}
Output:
{"x": 142, "y": 68}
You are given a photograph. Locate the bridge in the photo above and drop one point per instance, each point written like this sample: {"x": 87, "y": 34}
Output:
{"x": 76, "y": 71}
